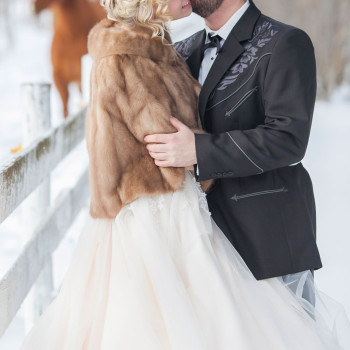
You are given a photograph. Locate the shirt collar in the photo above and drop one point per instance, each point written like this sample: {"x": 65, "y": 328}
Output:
{"x": 226, "y": 29}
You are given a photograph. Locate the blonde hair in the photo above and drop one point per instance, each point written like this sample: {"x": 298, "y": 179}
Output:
{"x": 140, "y": 12}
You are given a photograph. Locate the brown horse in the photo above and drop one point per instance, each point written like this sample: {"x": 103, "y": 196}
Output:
{"x": 73, "y": 20}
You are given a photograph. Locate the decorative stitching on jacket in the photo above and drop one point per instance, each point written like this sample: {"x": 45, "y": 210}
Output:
{"x": 262, "y": 35}
{"x": 241, "y": 101}
{"x": 261, "y": 170}
{"x": 184, "y": 47}
{"x": 251, "y": 76}
{"x": 237, "y": 198}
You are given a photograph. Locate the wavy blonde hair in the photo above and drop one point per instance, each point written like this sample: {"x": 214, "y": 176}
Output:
{"x": 140, "y": 12}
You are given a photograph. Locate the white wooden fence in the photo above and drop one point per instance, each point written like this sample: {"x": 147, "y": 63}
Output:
{"x": 19, "y": 179}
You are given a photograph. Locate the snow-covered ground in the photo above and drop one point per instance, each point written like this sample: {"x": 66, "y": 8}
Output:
{"x": 327, "y": 160}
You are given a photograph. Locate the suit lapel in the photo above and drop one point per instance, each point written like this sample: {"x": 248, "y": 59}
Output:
{"x": 195, "y": 59}
{"x": 230, "y": 52}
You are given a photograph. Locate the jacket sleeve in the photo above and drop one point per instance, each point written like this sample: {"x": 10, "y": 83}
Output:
{"x": 134, "y": 96}
{"x": 289, "y": 93}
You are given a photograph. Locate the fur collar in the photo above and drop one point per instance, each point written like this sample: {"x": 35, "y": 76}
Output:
{"x": 112, "y": 38}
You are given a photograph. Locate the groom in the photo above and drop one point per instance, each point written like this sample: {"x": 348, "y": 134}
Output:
{"x": 256, "y": 103}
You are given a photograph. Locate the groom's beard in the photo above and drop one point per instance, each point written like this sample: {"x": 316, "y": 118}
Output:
{"x": 205, "y": 8}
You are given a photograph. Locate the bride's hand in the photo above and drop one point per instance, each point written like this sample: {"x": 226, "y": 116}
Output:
{"x": 173, "y": 150}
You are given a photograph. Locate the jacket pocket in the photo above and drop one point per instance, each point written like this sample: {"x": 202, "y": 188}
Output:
{"x": 241, "y": 101}
{"x": 261, "y": 193}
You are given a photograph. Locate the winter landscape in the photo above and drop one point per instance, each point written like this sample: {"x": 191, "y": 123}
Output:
{"x": 26, "y": 58}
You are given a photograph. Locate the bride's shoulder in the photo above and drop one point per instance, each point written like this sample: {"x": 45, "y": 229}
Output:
{"x": 112, "y": 38}
{"x": 108, "y": 38}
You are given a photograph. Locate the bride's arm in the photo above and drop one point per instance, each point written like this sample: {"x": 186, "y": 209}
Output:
{"x": 134, "y": 96}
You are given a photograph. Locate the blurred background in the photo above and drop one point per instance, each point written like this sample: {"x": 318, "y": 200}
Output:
{"x": 25, "y": 56}
{"x": 327, "y": 22}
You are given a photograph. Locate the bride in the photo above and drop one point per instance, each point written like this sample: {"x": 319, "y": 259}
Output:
{"x": 152, "y": 271}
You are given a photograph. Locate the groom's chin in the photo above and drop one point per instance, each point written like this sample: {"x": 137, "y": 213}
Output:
{"x": 204, "y": 8}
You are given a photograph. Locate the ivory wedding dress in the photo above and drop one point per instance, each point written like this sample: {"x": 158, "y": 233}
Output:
{"x": 162, "y": 276}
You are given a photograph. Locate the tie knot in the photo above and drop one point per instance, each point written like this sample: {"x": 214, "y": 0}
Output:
{"x": 214, "y": 41}
{"x": 214, "y": 37}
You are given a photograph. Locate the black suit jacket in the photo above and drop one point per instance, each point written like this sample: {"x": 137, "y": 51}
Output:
{"x": 257, "y": 104}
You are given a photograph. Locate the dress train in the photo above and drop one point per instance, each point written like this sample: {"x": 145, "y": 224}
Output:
{"x": 162, "y": 276}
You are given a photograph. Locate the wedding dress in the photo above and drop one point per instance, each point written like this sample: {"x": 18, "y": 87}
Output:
{"x": 162, "y": 276}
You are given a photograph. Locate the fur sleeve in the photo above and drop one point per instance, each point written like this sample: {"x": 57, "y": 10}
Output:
{"x": 135, "y": 93}
{"x": 104, "y": 170}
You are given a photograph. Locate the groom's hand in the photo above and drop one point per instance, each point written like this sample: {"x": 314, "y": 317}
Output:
{"x": 173, "y": 150}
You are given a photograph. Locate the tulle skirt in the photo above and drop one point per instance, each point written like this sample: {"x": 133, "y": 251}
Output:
{"x": 162, "y": 276}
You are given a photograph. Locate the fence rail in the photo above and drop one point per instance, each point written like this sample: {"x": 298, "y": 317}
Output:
{"x": 16, "y": 284}
{"x": 25, "y": 176}
{"x": 28, "y": 170}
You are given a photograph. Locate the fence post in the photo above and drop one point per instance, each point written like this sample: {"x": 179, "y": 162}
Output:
{"x": 86, "y": 65}
{"x": 35, "y": 98}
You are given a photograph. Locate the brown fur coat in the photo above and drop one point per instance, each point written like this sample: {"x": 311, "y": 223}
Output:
{"x": 137, "y": 83}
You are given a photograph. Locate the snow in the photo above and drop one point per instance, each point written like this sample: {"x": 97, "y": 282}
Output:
{"x": 328, "y": 163}
{"x": 327, "y": 159}
{"x": 27, "y": 62}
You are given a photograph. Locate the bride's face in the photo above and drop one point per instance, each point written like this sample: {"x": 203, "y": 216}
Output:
{"x": 179, "y": 8}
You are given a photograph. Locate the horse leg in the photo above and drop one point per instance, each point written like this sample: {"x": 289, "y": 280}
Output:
{"x": 62, "y": 87}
